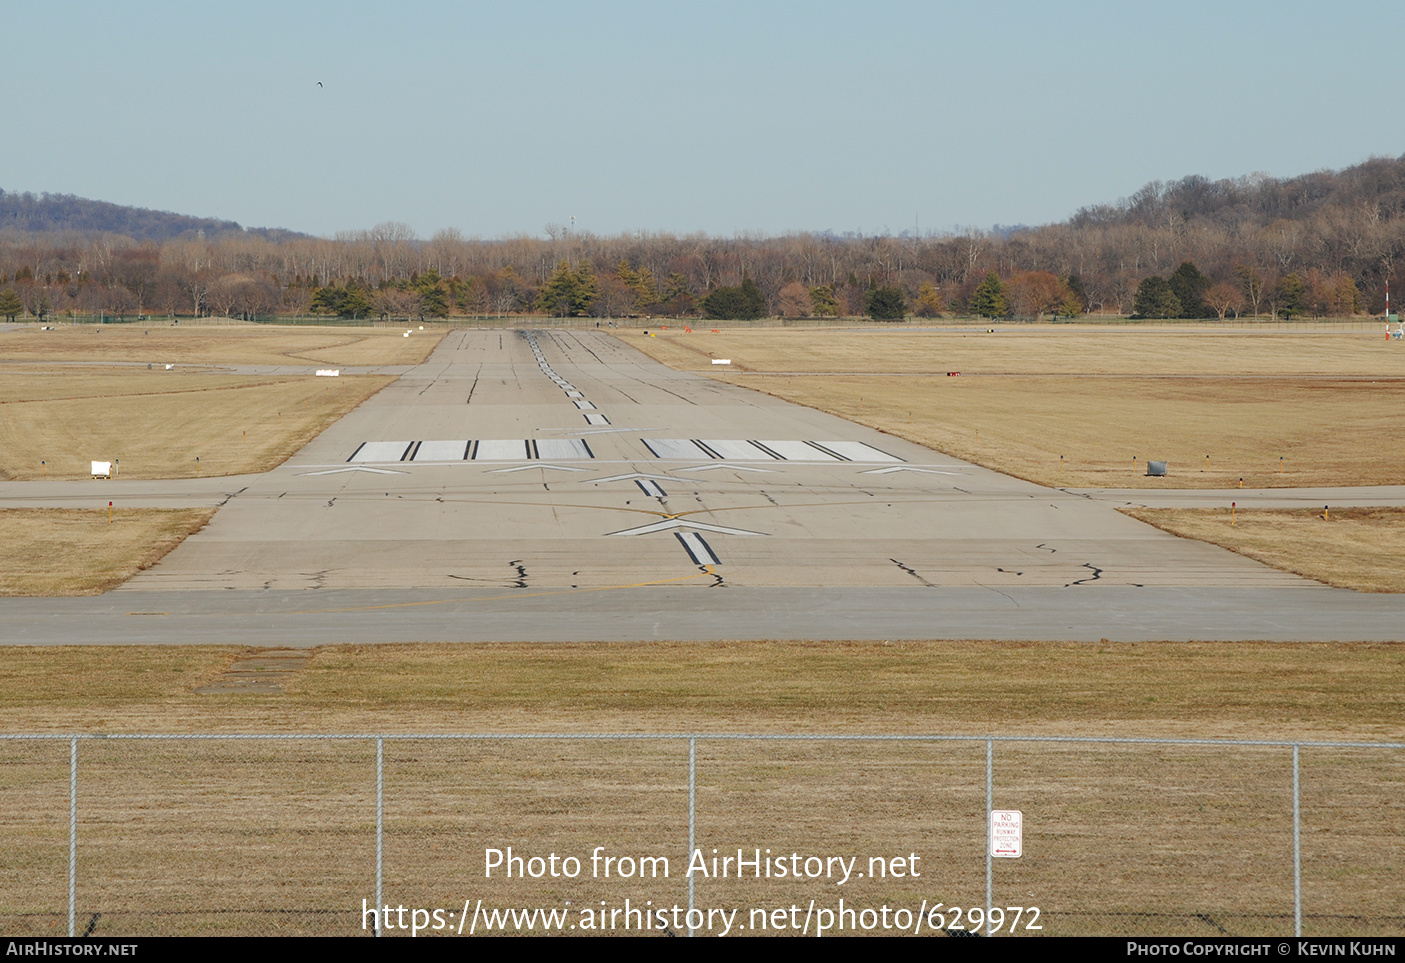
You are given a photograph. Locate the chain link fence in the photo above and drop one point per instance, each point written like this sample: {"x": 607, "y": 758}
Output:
{"x": 359, "y": 834}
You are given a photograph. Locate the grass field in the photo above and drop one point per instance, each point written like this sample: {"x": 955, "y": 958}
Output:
{"x": 156, "y": 424}
{"x": 1355, "y": 548}
{"x": 218, "y": 344}
{"x": 1326, "y": 404}
{"x": 61, "y": 551}
{"x": 276, "y": 837}
{"x": 207, "y": 837}
{"x": 1245, "y": 690}
{"x": 80, "y": 394}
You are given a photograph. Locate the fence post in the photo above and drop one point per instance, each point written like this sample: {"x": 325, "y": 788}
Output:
{"x": 1297, "y": 852}
{"x": 72, "y": 834}
{"x": 692, "y": 818}
{"x": 989, "y": 805}
{"x": 380, "y": 825}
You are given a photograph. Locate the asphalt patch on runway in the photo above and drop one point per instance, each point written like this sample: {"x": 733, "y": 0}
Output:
{"x": 264, "y": 671}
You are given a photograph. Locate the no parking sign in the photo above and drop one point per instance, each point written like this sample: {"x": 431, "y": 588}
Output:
{"x": 1006, "y": 833}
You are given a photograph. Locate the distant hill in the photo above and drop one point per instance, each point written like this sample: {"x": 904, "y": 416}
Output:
{"x": 1375, "y": 189}
{"x": 41, "y": 213}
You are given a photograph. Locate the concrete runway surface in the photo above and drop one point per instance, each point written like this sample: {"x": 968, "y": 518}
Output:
{"x": 559, "y": 486}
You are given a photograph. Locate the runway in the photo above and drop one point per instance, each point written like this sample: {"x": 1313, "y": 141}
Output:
{"x": 561, "y": 486}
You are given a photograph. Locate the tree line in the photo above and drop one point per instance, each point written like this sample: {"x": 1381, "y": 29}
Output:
{"x": 1324, "y": 244}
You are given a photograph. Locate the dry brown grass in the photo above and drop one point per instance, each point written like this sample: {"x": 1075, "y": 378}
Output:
{"x": 1327, "y": 404}
{"x": 277, "y": 837}
{"x": 157, "y": 423}
{"x": 1029, "y": 349}
{"x": 1166, "y": 689}
{"x": 67, "y": 397}
{"x": 64, "y": 551}
{"x": 1355, "y": 548}
{"x": 216, "y": 344}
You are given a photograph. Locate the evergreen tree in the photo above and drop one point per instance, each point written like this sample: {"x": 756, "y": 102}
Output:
{"x": 753, "y": 301}
{"x": 677, "y": 297}
{"x": 1291, "y": 291}
{"x": 348, "y": 300}
{"x": 823, "y": 303}
{"x": 10, "y": 304}
{"x": 1075, "y": 285}
{"x": 434, "y": 294}
{"x": 886, "y": 303}
{"x": 641, "y": 282}
{"x": 929, "y": 301}
{"x": 745, "y": 303}
{"x": 1155, "y": 299}
{"x": 723, "y": 304}
{"x": 569, "y": 291}
{"x": 1189, "y": 286}
{"x": 988, "y": 300}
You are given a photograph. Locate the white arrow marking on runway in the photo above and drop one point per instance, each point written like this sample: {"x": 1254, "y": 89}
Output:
{"x": 374, "y": 471}
{"x": 889, "y": 471}
{"x": 725, "y": 465}
{"x": 498, "y": 471}
{"x": 632, "y": 477}
{"x": 669, "y": 524}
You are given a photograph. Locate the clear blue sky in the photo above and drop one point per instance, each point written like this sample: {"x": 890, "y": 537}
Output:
{"x": 721, "y": 117}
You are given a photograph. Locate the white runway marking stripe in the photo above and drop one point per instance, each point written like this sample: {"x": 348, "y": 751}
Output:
{"x": 650, "y": 488}
{"x": 489, "y": 449}
{"x": 585, "y": 405}
{"x": 382, "y": 451}
{"x": 595, "y": 418}
{"x": 856, "y": 451}
{"x": 442, "y": 451}
{"x": 562, "y": 448}
{"x": 496, "y": 449}
{"x": 731, "y": 450}
{"x": 736, "y": 449}
{"x": 674, "y": 448}
{"x": 698, "y": 549}
{"x": 798, "y": 451}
